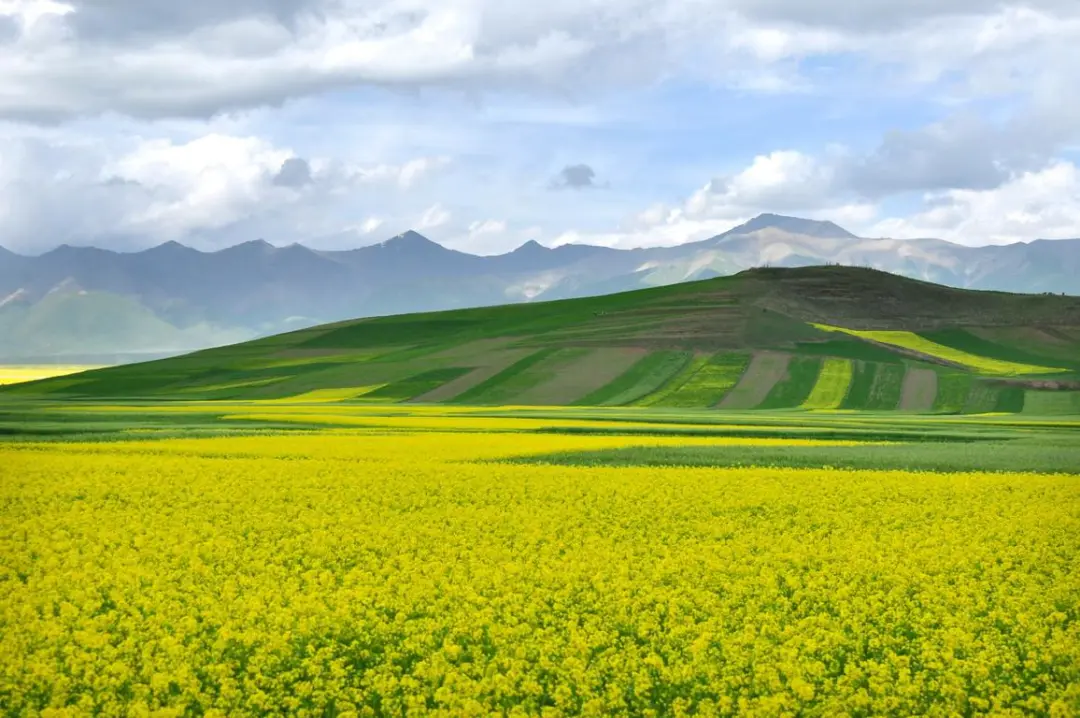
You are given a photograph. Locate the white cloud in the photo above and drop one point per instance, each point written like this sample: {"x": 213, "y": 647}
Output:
{"x": 1037, "y": 204}
{"x": 487, "y": 226}
{"x": 434, "y": 216}
{"x": 208, "y": 191}
{"x": 782, "y": 180}
{"x": 415, "y": 170}
{"x": 371, "y": 224}
{"x": 30, "y": 12}
{"x": 208, "y": 183}
{"x": 155, "y": 58}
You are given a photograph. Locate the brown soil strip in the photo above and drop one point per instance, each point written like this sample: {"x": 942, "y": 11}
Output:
{"x": 581, "y": 377}
{"x": 765, "y": 370}
{"x": 920, "y": 390}
{"x": 487, "y": 365}
{"x": 472, "y": 351}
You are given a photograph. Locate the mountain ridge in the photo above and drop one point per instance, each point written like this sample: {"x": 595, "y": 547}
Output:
{"x": 256, "y": 288}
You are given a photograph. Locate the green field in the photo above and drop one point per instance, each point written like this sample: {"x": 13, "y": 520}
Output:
{"x": 818, "y": 338}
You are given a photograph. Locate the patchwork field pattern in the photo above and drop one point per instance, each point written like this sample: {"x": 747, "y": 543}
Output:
{"x": 706, "y": 382}
{"x": 832, "y": 385}
{"x": 414, "y": 565}
{"x": 644, "y": 378}
{"x": 761, "y": 340}
{"x": 921, "y": 345}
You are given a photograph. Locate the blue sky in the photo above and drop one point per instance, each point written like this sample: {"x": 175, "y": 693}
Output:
{"x": 484, "y": 124}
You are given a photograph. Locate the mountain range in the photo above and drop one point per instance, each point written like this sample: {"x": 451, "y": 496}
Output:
{"x": 100, "y": 305}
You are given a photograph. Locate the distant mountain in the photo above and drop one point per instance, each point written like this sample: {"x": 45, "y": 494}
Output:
{"x": 791, "y": 225}
{"x": 173, "y": 298}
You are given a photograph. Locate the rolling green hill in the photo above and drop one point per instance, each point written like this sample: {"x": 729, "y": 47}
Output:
{"x": 816, "y": 338}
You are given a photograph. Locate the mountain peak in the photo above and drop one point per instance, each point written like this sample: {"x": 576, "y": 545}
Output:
{"x": 409, "y": 241}
{"x": 251, "y": 246}
{"x": 531, "y": 247}
{"x": 794, "y": 225}
{"x": 409, "y": 237}
{"x": 171, "y": 246}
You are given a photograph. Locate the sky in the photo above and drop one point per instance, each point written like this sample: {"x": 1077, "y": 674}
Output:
{"x": 486, "y": 123}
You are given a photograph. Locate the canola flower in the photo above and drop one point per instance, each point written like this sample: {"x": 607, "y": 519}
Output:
{"x": 359, "y": 574}
{"x": 19, "y": 374}
{"x": 922, "y": 345}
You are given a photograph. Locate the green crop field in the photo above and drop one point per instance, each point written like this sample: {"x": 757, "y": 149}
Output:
{"x": 642, "y": 379}
{"x": 813, "y": 338}
{"x": 832, "y": 385}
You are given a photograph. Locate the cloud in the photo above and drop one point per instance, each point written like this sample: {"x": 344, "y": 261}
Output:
{"x": 371, "y": 224}
{"x": 208, "y": 191}
{"x": 574, "y": 177}
{"x": 434, "y": 216}
{"x": 785, "y": 181}
{"x": 208, "y": 183}
{"x": 107, "y": 138}
{"x": 1042, "y": 203}
{"x": 294, "y": 172}
{"x": 487, "y": 226}
{"x": 158, "y": 58}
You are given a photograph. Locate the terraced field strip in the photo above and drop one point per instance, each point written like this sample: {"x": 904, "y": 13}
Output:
{"x": 595, "y": 369}
{"x": 660, "y": 397}
{"x": 299, "y": 358}
{"x": 487, "y": 366}
{"x": 877, "y": 387}
{"x": 416, "y": 385}
{"x": 1010, "y": 400}
{"x": 766, "y": 369}
{"x": 919, "y": 390}
{"x": 318, "y": 396}
{"x": 537, "y": 368}
{"x": 1026, "y": 345}
{"x": 982, "y": 398}
{"x": 1052, "y": 403}
{"x": 886, "y": 388}
{"x": 301, "y": 380}
{"x": 832, "y": 385}
{"x": 215, "y": 388}
{"x": 912, "y": 342}
{"x": 642, "y": 379}
{"x": 707, "y": 386}
{"x": 952, "y": 393}
{"x": 794, "y": 389}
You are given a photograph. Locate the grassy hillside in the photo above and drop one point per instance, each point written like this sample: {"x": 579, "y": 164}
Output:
{"x": 817, "y": 338}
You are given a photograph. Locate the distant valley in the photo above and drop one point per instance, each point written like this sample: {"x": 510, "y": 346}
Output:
{"x": 106, "y": 307}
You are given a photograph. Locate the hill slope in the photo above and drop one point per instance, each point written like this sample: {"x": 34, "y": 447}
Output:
{"x": 257, "y": 289}
{"x": 818, "y": 337}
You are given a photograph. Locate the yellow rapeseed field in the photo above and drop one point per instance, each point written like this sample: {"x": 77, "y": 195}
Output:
{"x": 18, "y": 374}
{"x": 353, "y": 573}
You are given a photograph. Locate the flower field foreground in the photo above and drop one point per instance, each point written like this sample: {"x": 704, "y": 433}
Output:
{"x": 367, "y": 574}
